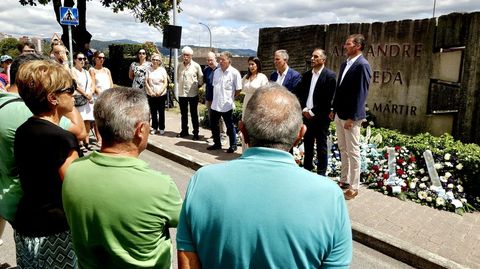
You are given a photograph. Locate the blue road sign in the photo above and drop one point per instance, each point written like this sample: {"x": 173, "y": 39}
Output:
{"x": 68, "y": 16}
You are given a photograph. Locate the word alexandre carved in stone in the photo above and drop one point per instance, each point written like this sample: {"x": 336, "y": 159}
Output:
{"x": 395, "y": 109}
{"x": 387, "y": 50}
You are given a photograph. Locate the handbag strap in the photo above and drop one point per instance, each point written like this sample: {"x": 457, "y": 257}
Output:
{"x": 86, "y": 77}
{"x": 18, "y": 99}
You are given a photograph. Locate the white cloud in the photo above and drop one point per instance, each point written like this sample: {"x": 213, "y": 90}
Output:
{"x": 234, "y": 24}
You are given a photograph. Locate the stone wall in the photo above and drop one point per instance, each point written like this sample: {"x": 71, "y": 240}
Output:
{"x": 426, "y": 73}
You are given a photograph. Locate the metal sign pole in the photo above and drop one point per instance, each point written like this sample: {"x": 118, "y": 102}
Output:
{"x": 70, "y": 45}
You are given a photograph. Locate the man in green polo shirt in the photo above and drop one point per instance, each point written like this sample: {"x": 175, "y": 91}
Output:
{"x": 118, "y": 209}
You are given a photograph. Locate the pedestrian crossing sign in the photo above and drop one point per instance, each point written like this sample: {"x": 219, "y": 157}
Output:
{"x": 68, "y": 16}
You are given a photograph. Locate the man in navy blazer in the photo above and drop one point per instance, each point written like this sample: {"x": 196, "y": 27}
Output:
{"x": 315, "y": 93}
{"x": 348, "y": 111}
{"x": 285, "y": 76}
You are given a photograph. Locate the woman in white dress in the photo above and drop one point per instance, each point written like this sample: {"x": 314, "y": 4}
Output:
{"x": 253, "y": 80}
{"x": 103, "y": 80}
{"x": 138, "y": 70}
{"x": 156, "y": 87}
{"x": 86, "y": 88}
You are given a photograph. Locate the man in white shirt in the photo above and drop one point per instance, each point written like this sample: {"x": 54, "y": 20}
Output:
{"x": 227, "y": 83}
{"x": 315, "y": 93}
{"x": 284, "y": 75}
{"x": 348, "y": 111}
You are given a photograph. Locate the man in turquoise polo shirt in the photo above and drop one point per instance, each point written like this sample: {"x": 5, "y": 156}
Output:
{"x": 118, "y": 209}
{"x": 262, "y": 210}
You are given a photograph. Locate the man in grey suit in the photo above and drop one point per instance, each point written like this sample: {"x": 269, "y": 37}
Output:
{"x": 348, "y": 111}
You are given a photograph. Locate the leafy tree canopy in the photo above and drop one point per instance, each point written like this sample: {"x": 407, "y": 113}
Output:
{"x": 9, "y": 46}
{"x": 153, "y": 12}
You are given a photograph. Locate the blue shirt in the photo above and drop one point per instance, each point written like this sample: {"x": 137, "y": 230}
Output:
{"x": 263, "y": 211}
{"x": 208, "y": 80}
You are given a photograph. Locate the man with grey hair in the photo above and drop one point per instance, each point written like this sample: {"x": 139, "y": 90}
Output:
{"x": 190, "y": 78}
{"x": 262, "y": 210}
{"x": 118, "y": 209}
{"x": 284, "y": 75}
{"x": 227, "y": 83}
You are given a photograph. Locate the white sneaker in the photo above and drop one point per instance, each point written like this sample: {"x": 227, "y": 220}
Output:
{"x": 162, "y": 132}
{"x": 152, "y": 132}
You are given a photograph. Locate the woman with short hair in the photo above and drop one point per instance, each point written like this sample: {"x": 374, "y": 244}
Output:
{"x": 43, "y": 151}
{"x": 156, "y": 87}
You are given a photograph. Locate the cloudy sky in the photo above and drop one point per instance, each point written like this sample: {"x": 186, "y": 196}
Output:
{"x": 234, "y": 24}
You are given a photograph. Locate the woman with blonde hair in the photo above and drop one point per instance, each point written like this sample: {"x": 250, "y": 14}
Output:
{"x": 156, "y": 87}
{"x": 43, "y": 151}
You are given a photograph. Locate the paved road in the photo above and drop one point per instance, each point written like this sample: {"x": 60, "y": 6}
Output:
{"x": 363, "y": 257}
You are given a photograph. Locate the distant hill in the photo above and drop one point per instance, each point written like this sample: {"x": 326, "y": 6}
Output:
{"x": 103, "y": 46}
{"x": 240, "y": 52}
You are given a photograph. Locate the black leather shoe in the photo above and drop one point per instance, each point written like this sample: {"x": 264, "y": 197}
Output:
{"x": 214, "y": 147}
{"x": 196, "y": 137}
{"x": 182, "y": 134}
{"x": 231, "y": 149}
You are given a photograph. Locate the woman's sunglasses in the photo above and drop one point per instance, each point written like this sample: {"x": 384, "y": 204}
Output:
{"x": 70, "y": 90}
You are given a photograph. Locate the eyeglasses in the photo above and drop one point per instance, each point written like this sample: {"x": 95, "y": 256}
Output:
{"x": 81, "y": 59}
{"x": 70, "y": 90}
{"x": 101, "y": 57}
{"x": 156, "y": 60}
{"x": 142, "y": 53}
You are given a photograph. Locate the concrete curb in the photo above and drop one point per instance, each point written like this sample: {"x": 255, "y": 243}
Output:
{"x": 399, "y": 249}
{"x": 387, "y": 244}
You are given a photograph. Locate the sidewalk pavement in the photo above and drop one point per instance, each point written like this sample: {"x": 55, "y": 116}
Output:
{"x": 418, "y": 235}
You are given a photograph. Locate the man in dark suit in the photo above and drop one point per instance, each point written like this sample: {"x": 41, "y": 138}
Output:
{"x": 285, "y": 76}
{"x": 315, "y": 93}
{"x": 348, "y": 111}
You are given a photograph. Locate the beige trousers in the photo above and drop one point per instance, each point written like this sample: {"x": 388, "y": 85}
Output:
{"x": 349, "y": 146}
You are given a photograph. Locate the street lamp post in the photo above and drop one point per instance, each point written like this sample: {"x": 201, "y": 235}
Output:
{"x": 209, "y": 32}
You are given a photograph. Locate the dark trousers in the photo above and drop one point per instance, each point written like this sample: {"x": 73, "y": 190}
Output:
{"x": 184, "y": 103}
{"x": 227, "y": 118}
{"x": 157, "y": 110}
{"x": 316, "y": 131}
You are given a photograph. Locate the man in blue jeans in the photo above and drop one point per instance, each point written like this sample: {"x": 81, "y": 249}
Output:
{"x": 227, "y": 83}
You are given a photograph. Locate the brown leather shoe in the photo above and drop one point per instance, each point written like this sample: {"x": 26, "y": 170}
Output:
{"x": 350, "y": 194}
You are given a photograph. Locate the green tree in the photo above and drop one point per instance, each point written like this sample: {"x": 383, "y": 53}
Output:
{"x": 153, "y": 12}
{"x": 9, "y": 46}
